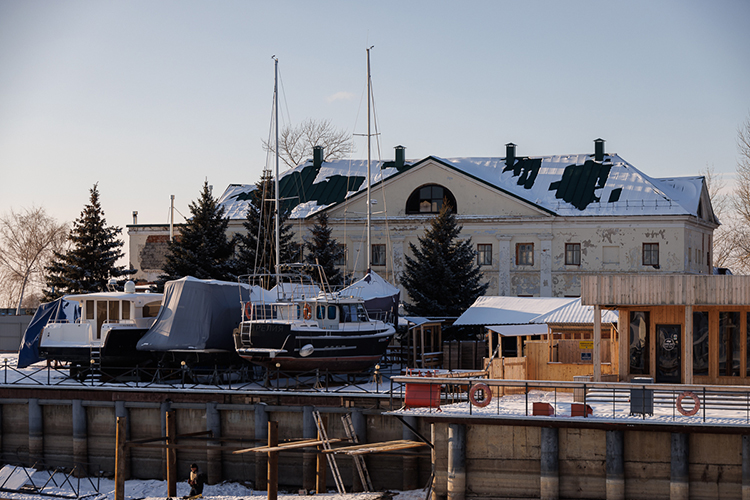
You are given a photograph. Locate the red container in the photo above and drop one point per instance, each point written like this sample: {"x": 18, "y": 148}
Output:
{"x": 578, "y": 409}
{"x": 544, "y": 409}
{"x": 422, "y": 396}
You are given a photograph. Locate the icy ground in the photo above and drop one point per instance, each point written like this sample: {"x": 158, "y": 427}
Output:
{"x": 157, "y": 490}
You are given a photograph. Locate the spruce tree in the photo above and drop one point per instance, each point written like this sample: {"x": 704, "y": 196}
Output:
{"x": 324, "y": 250}
{"x": 202, "y": 249}
{"x": 256, "y": 247}
{"x": 90, "y": 262}
{"x": 443, "y": 278}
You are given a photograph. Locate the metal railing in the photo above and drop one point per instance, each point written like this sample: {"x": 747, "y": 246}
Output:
{"x": 241, "y": 378}
{"x": 648, "y": 402}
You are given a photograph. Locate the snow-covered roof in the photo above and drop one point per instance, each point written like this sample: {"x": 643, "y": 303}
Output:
{"x": 501, "y": 310}
{"x": 519, "y": 330}
{"x": 568, "y": 185}
{"x": 575, "y": 313}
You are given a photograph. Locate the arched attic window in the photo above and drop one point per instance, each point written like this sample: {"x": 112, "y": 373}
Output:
{"x": 429, "y": 199}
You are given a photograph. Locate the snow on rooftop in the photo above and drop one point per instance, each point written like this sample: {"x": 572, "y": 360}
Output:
{"x": 566, "y": 185}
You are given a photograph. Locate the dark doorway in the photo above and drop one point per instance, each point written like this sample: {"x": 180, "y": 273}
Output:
{"x": 668, "y": 354}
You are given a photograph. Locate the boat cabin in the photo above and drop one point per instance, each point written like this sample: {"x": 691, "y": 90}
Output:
{"x": 102, "y": 311}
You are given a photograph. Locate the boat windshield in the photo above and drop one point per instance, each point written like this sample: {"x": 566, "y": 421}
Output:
{"x": 353, "y": 313}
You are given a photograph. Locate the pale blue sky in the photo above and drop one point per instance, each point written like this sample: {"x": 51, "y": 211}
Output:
{"x": 149, "y": 98}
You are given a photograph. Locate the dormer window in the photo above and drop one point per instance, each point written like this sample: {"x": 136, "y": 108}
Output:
{"x": 429, "y": 199}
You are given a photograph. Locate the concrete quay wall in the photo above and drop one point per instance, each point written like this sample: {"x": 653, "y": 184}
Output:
{"x": 472, "y": 458}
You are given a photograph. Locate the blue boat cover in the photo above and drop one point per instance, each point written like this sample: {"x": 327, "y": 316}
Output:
{"x": 60, "y": 309}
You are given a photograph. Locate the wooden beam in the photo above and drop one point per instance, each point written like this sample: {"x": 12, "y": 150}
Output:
{"x": 273, "y": 460}
{"x": 377, "y": 447}
{"x": 120, "y": 459}
{"x": 687, "y": 347}
{"x": 171, "y": 456}
{"x": 597, "y": 343}
{"x": 307, "y": 443}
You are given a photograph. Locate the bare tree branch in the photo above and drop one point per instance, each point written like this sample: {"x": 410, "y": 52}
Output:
{"x": 27, "y": 242}
{"x": 296, "y": 143}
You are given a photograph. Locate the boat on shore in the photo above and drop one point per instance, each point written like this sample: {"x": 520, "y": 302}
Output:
{"x": 105, "y": 332}
{"x": 301, "y": 326}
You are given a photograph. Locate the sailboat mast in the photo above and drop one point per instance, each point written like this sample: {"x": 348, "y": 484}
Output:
{"x": 369, "y": 177}
{"x": 277, "y": 230}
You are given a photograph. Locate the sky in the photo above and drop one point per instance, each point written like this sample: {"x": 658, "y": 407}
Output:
{"x": 150, "y": 99}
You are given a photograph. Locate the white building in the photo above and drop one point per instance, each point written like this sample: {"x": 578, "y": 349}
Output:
{"x": 537, "y": 223}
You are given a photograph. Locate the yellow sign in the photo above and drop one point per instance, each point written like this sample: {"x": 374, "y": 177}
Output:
{"x": 586, "y": 344}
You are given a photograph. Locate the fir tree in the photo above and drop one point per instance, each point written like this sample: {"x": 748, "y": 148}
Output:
{"x": 323, "y": 250}
{"x": 256, "y": 247}
{"x": 90, "y": 262}
{"x": 443, "y": 278}
{"x": 202, "y": 249}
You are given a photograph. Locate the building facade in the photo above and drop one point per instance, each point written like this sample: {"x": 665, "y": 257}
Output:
{"x": 538, "y": 224}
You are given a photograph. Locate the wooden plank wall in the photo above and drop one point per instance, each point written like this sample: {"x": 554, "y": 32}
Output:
{"x": 623, "y": 290}
{"x": 569, "y": 351}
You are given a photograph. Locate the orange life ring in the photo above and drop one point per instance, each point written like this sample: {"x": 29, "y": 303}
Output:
{"x": 473, "y": 395}
{"x": 696, "y": 403}
{"x": 249, "y": 310}
{"x": 307, "y": 311}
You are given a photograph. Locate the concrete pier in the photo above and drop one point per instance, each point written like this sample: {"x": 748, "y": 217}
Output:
{"x": 550, "y": 480}
{"x": 615, "y": 466}
{"x": 261, "y": 436}
{"x": 360, "y": 430}
{"x": 213, "y": 453}
{"x": 309, "y": 455}
{"x": 411, "y": 463}
{"x": 456, "y": 462}
{"x": 36, "y": 432}
{"x": 679, "y": 483}
{"x": 80, "y": 438}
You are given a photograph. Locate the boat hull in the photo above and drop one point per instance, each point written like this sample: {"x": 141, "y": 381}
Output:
{"x": 309, "y": 349}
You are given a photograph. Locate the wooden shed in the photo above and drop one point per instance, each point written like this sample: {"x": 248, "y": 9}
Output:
{"x": 690, "y": 329}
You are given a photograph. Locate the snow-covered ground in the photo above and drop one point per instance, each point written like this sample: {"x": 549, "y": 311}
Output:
{"x": 736, "y": 410}
{"x": 152, "y": 489}
{"x": 104, "y": 489}
{"x": 723, "y": 409}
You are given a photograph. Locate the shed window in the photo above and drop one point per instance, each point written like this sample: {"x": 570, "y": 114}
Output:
{"x": 639, "y": 345}
{"x": 700, "y": 343}
{"x": 729, "y": 344}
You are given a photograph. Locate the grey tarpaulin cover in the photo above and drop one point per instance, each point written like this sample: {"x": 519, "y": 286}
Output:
{"x": 196, "y": 315}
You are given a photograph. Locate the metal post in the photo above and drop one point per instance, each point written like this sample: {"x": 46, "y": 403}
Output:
{"x": 410, "y": 463}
